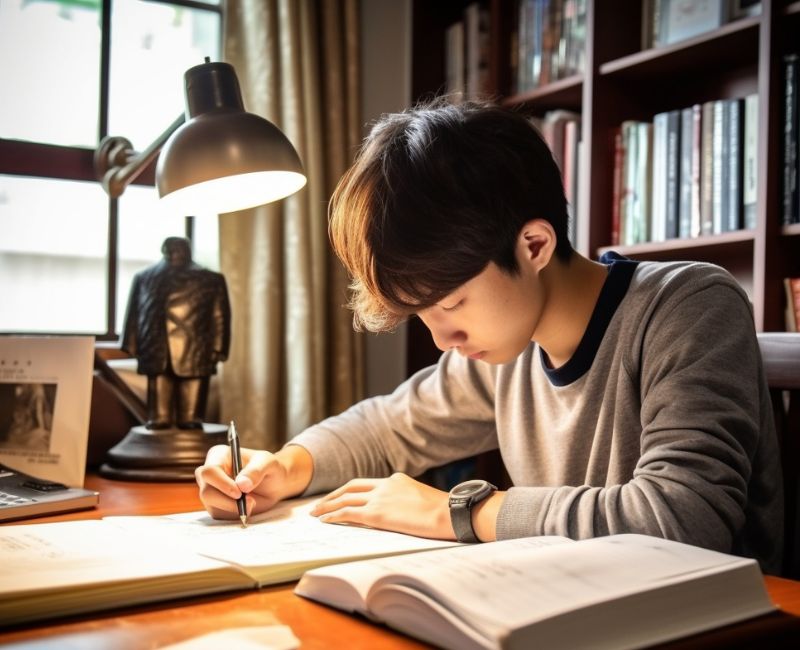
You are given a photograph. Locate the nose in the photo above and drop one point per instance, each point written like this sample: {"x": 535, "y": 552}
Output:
{"x": 445, "y": 336}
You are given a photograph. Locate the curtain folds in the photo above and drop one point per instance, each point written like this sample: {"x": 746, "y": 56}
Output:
{"x": 295, "y": 358}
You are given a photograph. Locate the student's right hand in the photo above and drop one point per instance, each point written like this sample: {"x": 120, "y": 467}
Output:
{"x": 265, "y": 479}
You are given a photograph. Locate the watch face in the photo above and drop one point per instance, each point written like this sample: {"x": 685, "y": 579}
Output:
{"x": 468, "y": 488}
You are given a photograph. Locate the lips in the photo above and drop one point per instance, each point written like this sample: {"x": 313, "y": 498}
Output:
{"x": 477, "y": 356}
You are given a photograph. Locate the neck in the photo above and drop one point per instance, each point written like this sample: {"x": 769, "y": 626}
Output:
{"x": 572, "y": 291}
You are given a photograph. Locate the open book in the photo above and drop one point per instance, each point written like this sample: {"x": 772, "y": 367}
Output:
{"x": 621, "y": 591}
{"x": 73, "y": 567}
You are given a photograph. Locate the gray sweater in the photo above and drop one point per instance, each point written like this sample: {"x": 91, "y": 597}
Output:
{"x": 659, "y": 424}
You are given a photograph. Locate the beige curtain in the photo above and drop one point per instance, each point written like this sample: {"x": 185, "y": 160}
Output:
{"x": 294, "y": 356}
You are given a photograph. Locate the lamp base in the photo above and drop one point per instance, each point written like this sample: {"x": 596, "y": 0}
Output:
{"x": 163, "y": 455}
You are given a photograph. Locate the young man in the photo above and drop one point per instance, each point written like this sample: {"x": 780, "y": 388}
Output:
{"x": 623, "y": 396}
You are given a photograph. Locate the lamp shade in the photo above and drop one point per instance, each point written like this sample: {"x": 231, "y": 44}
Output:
{"x": 224, "y": 159}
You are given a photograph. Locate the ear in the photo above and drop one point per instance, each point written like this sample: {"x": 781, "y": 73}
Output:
{"x": 536, "y": 244}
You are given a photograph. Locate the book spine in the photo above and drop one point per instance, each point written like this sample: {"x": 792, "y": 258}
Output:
{"x": 735, "y": 121}
{"x": 524, "y": 63}
{"x": 685, "y": 174}
{"x": 644, "y": 176}
{"x": 476, "y": 35}
{"x": 648, "y": 7}
{"x": 673, "y": 173}
{"x": 659, "y": 183}
{"x": 697, "y": 170}
{"x": 750, "y": 163}
{"x": 790, "y": 190}
{"x": 707, "y": 170}
{"x": 629, "y": 182}
{"x": 571, "y": 137}
{"x": 454, "y": 48}
{"x": 541, "y": 61}
{"x": 717, "y": 177}
{"x": 616, "y": 200}
{"x": 723, "y": 165}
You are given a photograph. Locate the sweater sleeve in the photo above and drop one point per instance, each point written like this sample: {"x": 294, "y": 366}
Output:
{"x": 440, "y": 414}
{"x": 701, "y": 401}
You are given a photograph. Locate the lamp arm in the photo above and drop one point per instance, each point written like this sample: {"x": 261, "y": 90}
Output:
{"x": 117, "y": 165}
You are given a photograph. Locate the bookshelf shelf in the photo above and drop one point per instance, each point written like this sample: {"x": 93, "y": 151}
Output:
{"x": 564, "y": 93}
{"x": 705, "y": 247}
{"x": 731, "y": 45}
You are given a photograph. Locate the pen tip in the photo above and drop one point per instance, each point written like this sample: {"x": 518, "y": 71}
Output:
{"x": 244, "y": 520}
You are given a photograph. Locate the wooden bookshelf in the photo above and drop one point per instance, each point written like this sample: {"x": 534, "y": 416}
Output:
{"x": 621, "y": 82}
{"x": 565, "y": 93}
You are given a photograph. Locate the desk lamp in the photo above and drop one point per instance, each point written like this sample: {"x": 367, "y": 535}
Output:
{"x": 216, "y": 158}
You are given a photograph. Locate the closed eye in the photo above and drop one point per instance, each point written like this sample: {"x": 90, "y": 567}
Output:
{"x": 453, "y": 307}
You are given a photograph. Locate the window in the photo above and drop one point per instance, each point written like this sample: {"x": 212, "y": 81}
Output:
{"x": 75, "y": 72}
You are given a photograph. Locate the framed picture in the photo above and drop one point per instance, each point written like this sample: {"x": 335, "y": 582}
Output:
{"x": 682, "y": 19}
{"x": 45, "y": 397}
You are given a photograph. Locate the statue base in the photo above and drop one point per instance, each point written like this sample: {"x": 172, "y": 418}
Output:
{"x": 162, "y": 455}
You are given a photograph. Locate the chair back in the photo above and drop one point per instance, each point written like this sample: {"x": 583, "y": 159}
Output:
{"x": 780, "y": 352}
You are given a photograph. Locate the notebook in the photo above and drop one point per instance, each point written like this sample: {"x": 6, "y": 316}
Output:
{"x": 22, "y": 495}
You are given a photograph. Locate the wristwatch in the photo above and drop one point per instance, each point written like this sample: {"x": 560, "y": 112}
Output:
{"x": 462, "y": 497}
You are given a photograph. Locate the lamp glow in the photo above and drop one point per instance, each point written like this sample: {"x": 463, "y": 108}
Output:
{"x": 232, "y": 193}
{"x": 216, "y": 159}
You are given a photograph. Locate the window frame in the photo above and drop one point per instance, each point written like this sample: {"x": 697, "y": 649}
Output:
{"x": 41, "y": 160}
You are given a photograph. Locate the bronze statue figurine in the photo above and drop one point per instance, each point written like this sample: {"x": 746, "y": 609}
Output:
{"x": 178, "y": 327}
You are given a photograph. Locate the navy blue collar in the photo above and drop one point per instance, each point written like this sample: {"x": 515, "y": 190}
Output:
{"x": 620, "y": 273}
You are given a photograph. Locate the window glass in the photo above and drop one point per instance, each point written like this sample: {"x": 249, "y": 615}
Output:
{"x": 142, "y": 230}
{"x": 152, "y": 45}
{"x": 51, "y": 55}
{"x": 53, "y": 247}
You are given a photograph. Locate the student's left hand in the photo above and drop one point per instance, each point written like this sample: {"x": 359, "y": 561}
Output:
{"x": 397, "y": 503}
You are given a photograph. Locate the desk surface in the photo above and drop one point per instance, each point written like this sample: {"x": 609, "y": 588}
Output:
{"x": 315, "y": 625}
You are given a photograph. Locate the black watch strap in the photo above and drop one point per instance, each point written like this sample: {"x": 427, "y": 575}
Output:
{"x": 461, "y": 518}
{"x": 461, "y": 500}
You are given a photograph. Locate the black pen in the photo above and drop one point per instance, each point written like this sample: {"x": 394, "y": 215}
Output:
{"x": 236, "y": 461}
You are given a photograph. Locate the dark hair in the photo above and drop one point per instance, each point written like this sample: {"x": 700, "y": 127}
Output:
{"x": 435, "y": 194}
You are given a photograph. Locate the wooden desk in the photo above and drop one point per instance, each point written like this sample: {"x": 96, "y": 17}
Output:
{"x": 317, "y": 627}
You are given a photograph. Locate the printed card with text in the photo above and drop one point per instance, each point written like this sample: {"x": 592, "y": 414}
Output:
{"x": 45, "y": 398}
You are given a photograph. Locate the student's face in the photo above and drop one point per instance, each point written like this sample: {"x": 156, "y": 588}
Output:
{"x": 491, "y": 318}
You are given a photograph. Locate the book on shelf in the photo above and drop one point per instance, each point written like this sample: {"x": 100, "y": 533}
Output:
{"x": 719, "y": 167}
{"x": 75, "y": 567}
{"x": 629, "y": 182}
{"x": 658, "y": 225}
{"x": 734, "y": 136}
{"x": 666, "y": 163}
{"x": 467, "y": 54}
{"x": 476, "y": 44}
{"x": 636, "y": 178}
{"x": 454, "y": 60}
{"x": 553, "y": 129}
{"x": 644, "y": 176}
{"x": 617, "y": 190}
{"x": 570, "y": 175}
{"x": 677, "y": 20}
{"x": 750, "y": 162}
{"x": 620, "y": 591}
{"x": 550, "y": 41}
{"x": 791, "y": 210}
{"x": 685, "y": 172}
{"x": 698, "y": 175}
{"x": 707, "y": 169}
{"x": 792, "y": 289}
{"x": 697, "y": 161}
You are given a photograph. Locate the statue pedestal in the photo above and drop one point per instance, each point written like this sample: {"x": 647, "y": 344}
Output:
{"x": 162, "y": 455}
